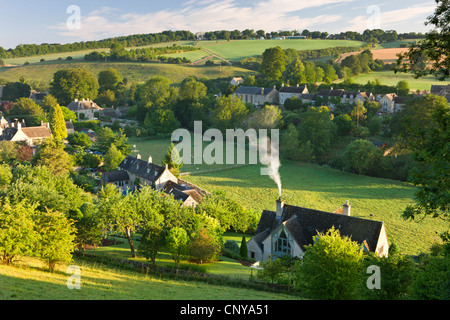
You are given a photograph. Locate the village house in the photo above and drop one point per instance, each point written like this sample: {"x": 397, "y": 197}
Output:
{"x": 257, "y": 96}
{"x": 387, "y": 102}
{"x": 289, "y": 229}
{"x": 37, "y": 96}
{"x": 441, "y": 90}
{"x": 289, "y": 92}
{"x": 84, "y": 109}
{"x": 134, "y": 172}
{"x": 16, "y": 131}
{"x": 237, "y": 81}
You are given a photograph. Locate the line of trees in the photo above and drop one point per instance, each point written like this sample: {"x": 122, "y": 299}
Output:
{"x": 119, "y": 53}
{"x": 135, "y": 40}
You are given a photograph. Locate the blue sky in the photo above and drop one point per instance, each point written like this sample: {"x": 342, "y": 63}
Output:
{"x": 46, "y": 21}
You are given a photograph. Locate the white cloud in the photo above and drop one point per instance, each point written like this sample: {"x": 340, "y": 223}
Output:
{"x": 390, "y": 20}
{"x": 202, "y": 15}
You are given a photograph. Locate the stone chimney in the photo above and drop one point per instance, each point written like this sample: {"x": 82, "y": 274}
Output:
{"x": 150, "y": 159}
{"x": 280, "y": 205}
{"x": 138, "y": 156}
{"x": 346, "y": 209}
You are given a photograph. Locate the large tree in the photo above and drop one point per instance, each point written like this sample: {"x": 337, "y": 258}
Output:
{"x": 435, "y": 47}
{"x": 331, "y": 268}
{"x": 118, "y": 213}
{"x": 71, "y": 84}
{"x": 273, "y": 63}
{"x": 109, "y": 79}
{"x": 431, "y": 171}
{"x": 229, "y": 112}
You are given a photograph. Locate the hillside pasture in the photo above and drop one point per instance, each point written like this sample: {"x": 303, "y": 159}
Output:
{"x": 235, "y": 50}
{"x": 323, "y": 188}
{"x": 391, "y": 79}
{"x": 316, "y": 187}
{"x": 134, "y": 71}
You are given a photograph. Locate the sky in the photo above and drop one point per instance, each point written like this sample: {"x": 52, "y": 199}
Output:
{"x": 62, "y": 21}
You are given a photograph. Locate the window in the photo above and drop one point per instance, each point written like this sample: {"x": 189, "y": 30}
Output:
{"x": 281, "y": 244}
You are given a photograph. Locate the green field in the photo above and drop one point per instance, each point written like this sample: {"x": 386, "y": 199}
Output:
{"x": 133, "y": 71}
{"x": 29, "y": 280}
{"x": 235, "y": 50}
{"x": 391, "y": 79}
{"x": 314, "y": 187}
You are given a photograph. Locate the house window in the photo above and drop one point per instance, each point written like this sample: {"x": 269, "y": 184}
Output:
{"x": 282, "y": 245}
{"x": 252, "y": 254}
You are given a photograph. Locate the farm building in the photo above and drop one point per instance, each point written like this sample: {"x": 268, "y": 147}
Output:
{"x": 289, "y": 229}
{"x": 289, "y": 92}
{"x": 84, "y": 109}
{"x": 257, "y": 96}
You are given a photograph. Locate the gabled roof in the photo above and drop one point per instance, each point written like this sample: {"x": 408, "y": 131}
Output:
{"x": 115, "y": 176}
{"x": 298, "y": 89}
{"x": 253, "y": 90}
{"x": 331, "y": 92}
{"x": 83, "y": 105}
{"x": 303, "y": 224}
{"x": 141, "y": 168}
{"x": 37, "y": 132}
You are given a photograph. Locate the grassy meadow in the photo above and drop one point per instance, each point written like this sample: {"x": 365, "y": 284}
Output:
{"x": 133, "y": 71}
{"x": 29, "y": 280}
{"x": 316, "y": 187}
{"x": 391, "y": 79}
{"x": 235, "y": 50}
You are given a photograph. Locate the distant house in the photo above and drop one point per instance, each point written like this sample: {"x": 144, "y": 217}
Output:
{"x": 289, "y": 229}
{"x": 399, "y": 102}
{"x": 365, "y": 96}
{"x": 236, "y": 81}
{"x": 69, "y": 127}
{"x": 441, "y": 90}
{"x": 134, "y": 172}
{"x": 289, "y": 92}
{"x": 37, "y": 96}
{"x": 16, "y": 131}
{"x": 387, "y": 102}
{"x": 84, "y": 109}
{"x": 119, "y": 178}
{"x": 188, "y": 196}
{"x": 257, "y": 96}
{"x": 143, "y": 172}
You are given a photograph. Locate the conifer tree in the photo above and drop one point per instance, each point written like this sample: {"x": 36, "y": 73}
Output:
{"x": 57, "y": 123}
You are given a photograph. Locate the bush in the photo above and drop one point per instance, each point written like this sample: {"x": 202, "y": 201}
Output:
{"x": 232, "y": 246}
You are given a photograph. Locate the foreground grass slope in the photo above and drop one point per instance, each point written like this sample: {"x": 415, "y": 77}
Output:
{"x": 31, "y": 281}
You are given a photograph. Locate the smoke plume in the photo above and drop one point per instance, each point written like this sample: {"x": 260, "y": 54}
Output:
{"x": 271, "y": 161}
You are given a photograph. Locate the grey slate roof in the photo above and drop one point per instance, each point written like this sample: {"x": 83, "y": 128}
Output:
{"x": 299, "y": 89}
{"x": 141, "y": 168}
{"x": 304, "y": 224}
{"x": 115, "y": 176}
{"x": 253, "y": 90}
